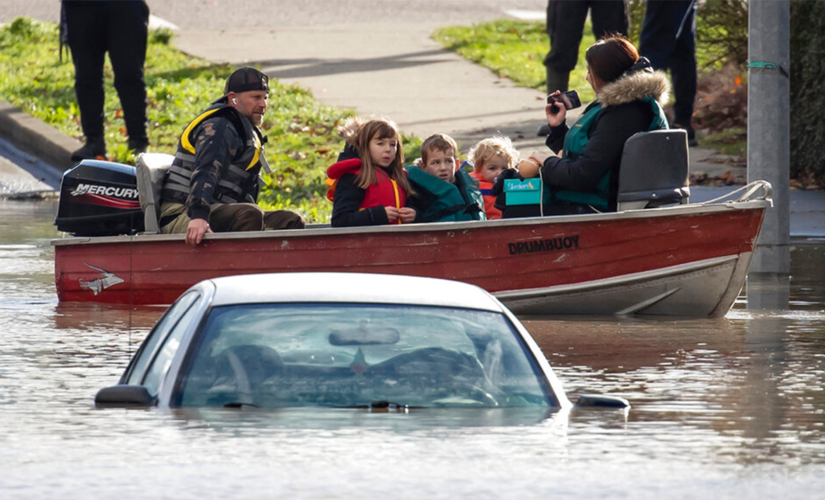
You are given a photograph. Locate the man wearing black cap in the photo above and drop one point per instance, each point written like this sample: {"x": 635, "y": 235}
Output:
{"x": 213, "y": 183}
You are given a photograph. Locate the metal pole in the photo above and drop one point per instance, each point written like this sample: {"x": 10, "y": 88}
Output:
{"x": 769, "y": 140}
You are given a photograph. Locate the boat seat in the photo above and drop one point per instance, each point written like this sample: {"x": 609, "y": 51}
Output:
{"x": 654, "y": 170}
{"x": 151, "y": 172}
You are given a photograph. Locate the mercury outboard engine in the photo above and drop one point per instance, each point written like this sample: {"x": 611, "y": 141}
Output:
{"x": 99, "y": 198}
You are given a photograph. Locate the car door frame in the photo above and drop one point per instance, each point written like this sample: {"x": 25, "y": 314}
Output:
{"x": 205, "y": 291}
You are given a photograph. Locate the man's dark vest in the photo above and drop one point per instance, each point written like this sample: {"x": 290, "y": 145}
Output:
{"x": 451, "y": 202}
{"x": 239, "y": 181}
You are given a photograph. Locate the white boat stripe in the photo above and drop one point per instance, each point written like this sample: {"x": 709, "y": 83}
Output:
{"x": 625, "y": 279}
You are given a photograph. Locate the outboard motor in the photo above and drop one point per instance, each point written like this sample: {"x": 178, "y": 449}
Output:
{"x": 99, "y": 198}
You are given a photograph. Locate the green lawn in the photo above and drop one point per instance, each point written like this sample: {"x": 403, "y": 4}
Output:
{"x": 301, "y": 132}
{"x": 515, "y": 50}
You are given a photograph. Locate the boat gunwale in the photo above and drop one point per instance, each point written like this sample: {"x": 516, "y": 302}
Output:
{"x": 435, "y": 227}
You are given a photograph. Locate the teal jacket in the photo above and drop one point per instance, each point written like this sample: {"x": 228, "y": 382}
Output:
{"x": 436, "y": 200}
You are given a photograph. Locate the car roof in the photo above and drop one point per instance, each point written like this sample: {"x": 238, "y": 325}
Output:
{"x": 350, "y": 288}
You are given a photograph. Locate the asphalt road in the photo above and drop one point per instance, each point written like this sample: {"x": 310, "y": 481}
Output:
{"x": 225, "y": 14}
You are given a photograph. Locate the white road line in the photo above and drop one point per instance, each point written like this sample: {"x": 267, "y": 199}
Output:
{"x": 155, "y": 22}
{"x": 527, "y": 15}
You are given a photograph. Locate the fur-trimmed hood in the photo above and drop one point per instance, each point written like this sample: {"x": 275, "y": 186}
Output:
{"x": 636, "y": 86}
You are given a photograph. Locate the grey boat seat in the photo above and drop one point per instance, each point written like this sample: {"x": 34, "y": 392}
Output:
{"x": 151, "y": 172}
{"x": 654, "y": 170}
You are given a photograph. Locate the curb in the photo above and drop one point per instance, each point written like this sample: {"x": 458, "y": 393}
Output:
{"x": 36, "y": 137}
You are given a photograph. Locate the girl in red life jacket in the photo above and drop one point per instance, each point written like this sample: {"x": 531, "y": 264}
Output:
{"x": 370, "y": 187}
{"x": 490, "y": 157}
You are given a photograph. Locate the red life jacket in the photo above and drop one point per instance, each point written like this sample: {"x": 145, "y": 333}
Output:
{"x": 486, "y": 189}
{"x": 384, "y": 194}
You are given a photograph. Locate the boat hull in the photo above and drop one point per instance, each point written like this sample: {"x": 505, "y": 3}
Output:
{"x": 686, "y": 260}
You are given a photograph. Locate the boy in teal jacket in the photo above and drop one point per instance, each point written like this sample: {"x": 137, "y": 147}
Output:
{"x": 443, "y": 192}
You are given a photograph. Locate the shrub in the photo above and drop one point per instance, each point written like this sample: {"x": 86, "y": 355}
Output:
{"x": 807, "y": 94}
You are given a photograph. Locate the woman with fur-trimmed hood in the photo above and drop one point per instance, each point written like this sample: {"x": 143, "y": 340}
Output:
{"x": 629, "y": 95}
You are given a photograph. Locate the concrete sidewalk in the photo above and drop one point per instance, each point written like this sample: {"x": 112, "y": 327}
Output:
{"x": 398, "y": 71}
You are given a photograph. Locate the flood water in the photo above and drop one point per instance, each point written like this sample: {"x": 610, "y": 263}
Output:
{"x": 731, "y": 408}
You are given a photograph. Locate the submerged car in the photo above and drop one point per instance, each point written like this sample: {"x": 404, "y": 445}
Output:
{"x": 339, "y": 340}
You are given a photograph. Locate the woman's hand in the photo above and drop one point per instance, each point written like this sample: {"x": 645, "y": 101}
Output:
{"x": 392, "y": 214}
{"x": 555, "y": 110}
{"x": 529, "y": 167}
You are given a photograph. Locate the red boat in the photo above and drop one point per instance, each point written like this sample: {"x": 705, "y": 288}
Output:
{"x": 685, "y": 260}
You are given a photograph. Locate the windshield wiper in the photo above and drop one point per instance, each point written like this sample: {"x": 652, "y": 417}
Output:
{"x": 239, "y": 405}
{"x": 380, "y": 404}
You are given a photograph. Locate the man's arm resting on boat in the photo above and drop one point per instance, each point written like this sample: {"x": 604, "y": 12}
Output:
{"x": 195, "y": 231}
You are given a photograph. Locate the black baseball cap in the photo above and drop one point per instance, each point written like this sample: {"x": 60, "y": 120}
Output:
{"x": 246, "y": 79}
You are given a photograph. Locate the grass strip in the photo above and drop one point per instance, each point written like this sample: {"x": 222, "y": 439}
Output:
{"x": 301, "y": 131}
{"x": 515, "y": 50}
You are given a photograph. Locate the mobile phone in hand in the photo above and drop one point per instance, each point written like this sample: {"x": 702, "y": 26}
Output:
{"x": 569, "y": 99}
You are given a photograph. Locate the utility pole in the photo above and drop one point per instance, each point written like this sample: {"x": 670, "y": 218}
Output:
{"x": 769, "y": 127}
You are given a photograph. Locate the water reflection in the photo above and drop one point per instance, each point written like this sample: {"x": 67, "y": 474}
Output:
{"x": 768, "y": 292}
{"x": 729, "y": 408}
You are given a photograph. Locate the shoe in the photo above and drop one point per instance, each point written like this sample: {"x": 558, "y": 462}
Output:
{"x": 543, "y": 131}
{"x": 690, "y": 133}
{"x": 138, "y": 145}
{"x": 94, "y": 149}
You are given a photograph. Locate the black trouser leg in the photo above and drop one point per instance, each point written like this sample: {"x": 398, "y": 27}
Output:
{"x": 609, "y": 17}
{"x": 87, "y": 44}
{"x": 683, "y": 68}
{"x": 664, "y": 20}
{"x": 126, "y": 32}
{"x": 565, "y": 26}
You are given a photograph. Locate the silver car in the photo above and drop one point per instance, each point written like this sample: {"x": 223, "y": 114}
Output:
{"x": 339, "y": 340}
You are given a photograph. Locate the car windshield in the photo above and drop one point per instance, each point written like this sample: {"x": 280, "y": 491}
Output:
{"x": 356, "y": 355}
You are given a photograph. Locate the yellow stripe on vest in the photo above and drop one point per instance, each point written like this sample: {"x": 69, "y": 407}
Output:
{"x": 257, "y": 154}
{"x": 397, "y": 198}
{"x": 184, "y": 138}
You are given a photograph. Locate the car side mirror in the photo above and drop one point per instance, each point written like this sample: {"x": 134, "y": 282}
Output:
{"x": 124, "y": 395}
{"x": 599, "y": 401}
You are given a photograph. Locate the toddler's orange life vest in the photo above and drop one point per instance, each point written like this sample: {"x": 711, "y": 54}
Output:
{"x": 486, "y": 189}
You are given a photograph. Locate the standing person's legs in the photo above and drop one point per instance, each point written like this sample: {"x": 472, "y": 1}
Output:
{"x": 565, "y": 26}
{"x": 683, "y": 67}
{"x": 609, "y": 16}
{"x": 126, "y": 37}
{"x": 658, "y": 37}
{"x": 664, "y": 21}
{"x": 87, "y": 45}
